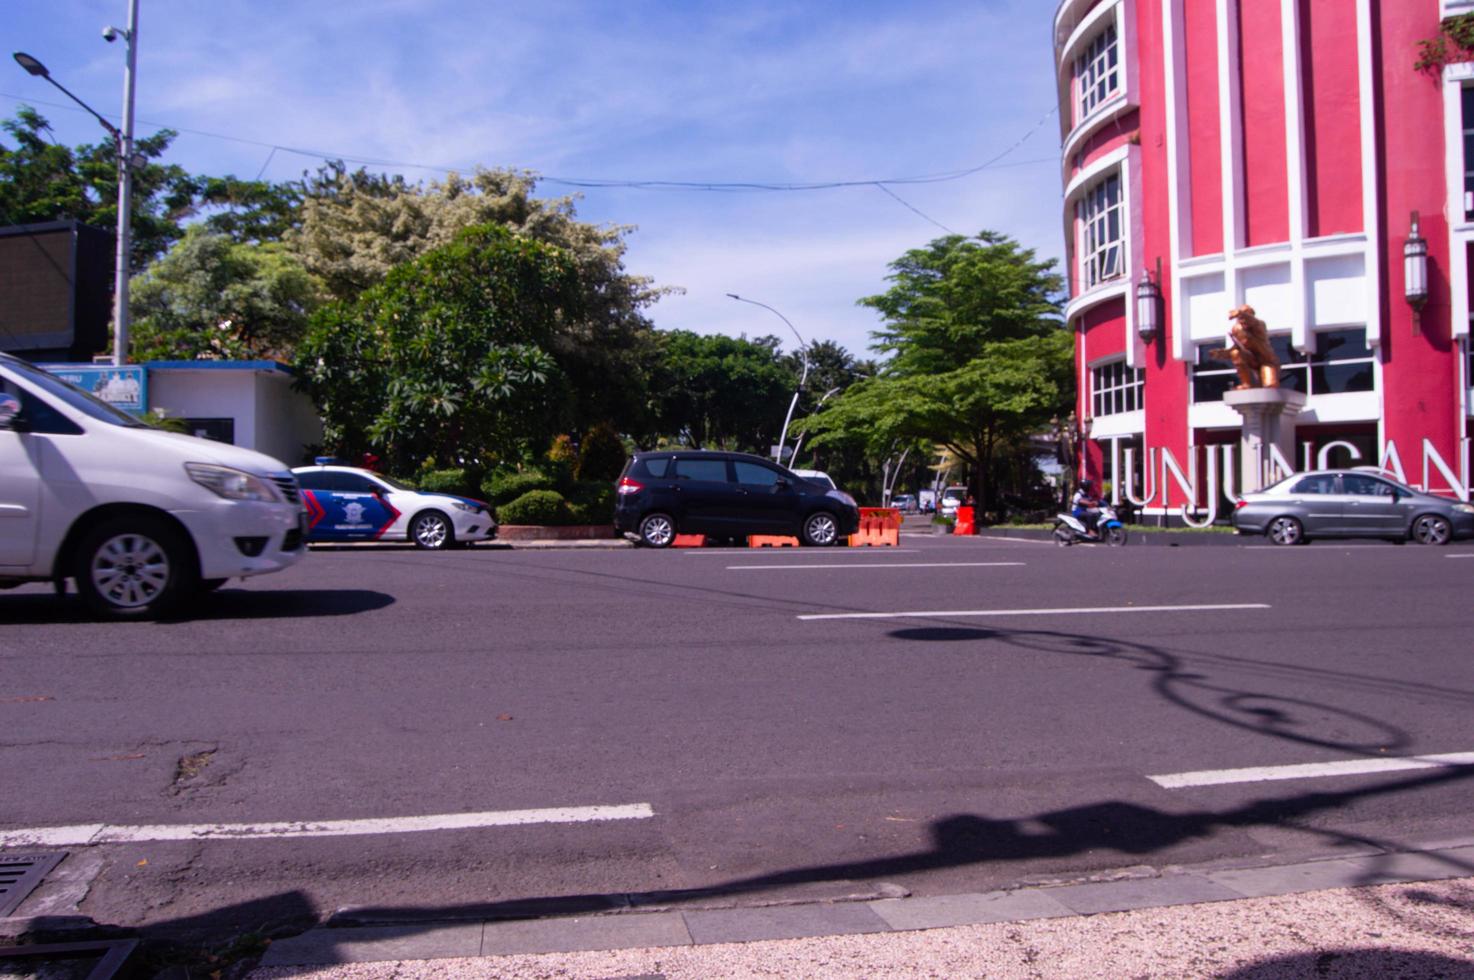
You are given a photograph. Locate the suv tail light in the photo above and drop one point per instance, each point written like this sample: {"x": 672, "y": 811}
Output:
{"x": 1241, "y": 502}
{"x": 626, "y": 485}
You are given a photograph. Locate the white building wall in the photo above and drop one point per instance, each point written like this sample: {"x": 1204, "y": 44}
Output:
{"x": 269, "y": 416}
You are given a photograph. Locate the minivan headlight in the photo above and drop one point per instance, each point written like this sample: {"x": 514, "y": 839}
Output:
{"x": 230, "y": 483}
{"x": 1464, "y": 508}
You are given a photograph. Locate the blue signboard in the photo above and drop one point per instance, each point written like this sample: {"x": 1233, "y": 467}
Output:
{"x": 122, "y": 386}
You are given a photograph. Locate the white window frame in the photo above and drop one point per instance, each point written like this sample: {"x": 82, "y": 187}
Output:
{"x": 1102, "y": 258}
{"x": 1098, "y": 72}
{"x": 1104, "y": 387}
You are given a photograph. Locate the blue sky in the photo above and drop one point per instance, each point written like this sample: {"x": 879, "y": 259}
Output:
{"x": 778, "y": 93}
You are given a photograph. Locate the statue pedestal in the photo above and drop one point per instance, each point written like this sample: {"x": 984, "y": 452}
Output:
{"x": 1269, "y": 420}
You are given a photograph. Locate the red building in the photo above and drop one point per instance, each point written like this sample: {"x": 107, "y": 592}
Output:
{"x": 1280, "y": 154}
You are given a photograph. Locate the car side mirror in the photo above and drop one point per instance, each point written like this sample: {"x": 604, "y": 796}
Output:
{"x": 781, "y": 483}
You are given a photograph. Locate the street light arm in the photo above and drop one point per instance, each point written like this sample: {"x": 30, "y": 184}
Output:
{"x": 36, "y": 68}
{"x": 743, "y": 299}
{"x": 803, "y": 352}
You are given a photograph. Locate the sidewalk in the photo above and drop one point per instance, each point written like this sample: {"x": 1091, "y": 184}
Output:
{"x": 1374, "y": 914}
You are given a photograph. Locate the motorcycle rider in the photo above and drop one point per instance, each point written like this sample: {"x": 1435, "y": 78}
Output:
{"x": 1085, "y": 505}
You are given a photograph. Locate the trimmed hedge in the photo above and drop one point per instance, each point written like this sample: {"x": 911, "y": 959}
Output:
{"x": 453, "y": 481}
{"x": 536, "y": 507}
{"x": 506, "y": 486}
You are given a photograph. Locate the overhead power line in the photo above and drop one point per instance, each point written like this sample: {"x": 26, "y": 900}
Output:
{"x": 620, "y": 183}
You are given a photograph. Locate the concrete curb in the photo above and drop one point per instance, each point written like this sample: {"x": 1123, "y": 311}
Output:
{"x": 632, "y": 929}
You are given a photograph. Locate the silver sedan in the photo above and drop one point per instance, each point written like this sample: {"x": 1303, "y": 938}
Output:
{"x": 1351, "y": 504}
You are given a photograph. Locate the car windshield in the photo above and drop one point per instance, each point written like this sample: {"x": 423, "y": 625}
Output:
{"x": 75, "y": 397}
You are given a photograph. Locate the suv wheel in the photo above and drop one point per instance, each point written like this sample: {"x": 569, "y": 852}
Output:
{"x": 821, "y": 529}
{"x": 657, "y": 530}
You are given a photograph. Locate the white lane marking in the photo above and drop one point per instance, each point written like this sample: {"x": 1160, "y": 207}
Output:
{"x": 78, "y": 835}
{"x": 1310, "y": 770}
{"x": 1078, "y": 611}
{"x": 889, "y": 564}
{"x": 799, "y": 552}
{"x": 1460, "y": 556}
{"x": 994, "y": 537}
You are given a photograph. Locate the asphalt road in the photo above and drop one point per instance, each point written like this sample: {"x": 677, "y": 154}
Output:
{"x": 1000, "y": 724}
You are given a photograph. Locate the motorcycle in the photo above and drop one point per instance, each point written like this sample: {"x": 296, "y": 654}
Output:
{"x": 1068, "y": 529}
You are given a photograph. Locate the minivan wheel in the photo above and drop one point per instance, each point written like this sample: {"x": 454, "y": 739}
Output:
{"x": 1432, "y": 529}
{"x": 657, "y": 530}
{"x": 821, "y": 529}
{"x": 133, "y": 568}
{"x": 1286, "y": 530}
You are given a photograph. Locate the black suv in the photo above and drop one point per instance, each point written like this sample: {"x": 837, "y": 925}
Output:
{"x": 662, "y": 494}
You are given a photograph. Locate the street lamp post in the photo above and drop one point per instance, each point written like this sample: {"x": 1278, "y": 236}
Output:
{"x": 803, "y": 352}
{"x": 797, "y": 443}
{"x": 123, "y": 147}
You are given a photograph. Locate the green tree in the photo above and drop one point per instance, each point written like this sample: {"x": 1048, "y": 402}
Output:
{"x": 832, "y": 370}
{"x": 44, "y": 181}
{"x": 448, "y": 357}
{"x": 251, "y": 211}
{"x": 978, "y": 358}
{"x": 213, "y": 298}
{"x": 722, "y": 392}
{"x": 356, "y": 226}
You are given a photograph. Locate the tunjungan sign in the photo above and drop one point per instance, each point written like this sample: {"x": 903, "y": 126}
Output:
{"x": 1165, "y": 477}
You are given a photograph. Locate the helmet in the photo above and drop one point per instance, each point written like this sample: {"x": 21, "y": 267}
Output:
{"x": 1087, "y": 484}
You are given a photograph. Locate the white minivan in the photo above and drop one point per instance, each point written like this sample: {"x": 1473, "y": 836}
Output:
{"x": 141, "y": 519}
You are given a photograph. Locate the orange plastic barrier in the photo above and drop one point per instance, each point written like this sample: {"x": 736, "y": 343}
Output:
{"x": 879, "y": 527}
{"x": 966, "y": 521}
{"x": 689, "y": 541}
{"x": 771, "y": 541}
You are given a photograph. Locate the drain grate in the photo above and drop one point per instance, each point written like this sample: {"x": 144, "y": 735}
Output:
{"x": 102, "y": 960}
{"x": 21, "y": 873}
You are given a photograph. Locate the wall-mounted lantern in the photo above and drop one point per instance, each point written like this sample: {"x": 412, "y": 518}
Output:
{"x": 1148, "y": 307}
{"x": 1415, "y": 272}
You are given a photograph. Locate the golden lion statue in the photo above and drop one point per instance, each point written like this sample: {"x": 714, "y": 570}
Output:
{"x": 1251, "y": 354}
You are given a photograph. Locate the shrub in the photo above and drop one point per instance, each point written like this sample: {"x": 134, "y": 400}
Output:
{"x": 560, "y": 460}
{"x": 592, "y": 502}
{"x": 536, "y": 507}
{"x": 602, "y": 455}
{"x": 594, "y": 493}
{"x": 506, "y": 486}
{"x": 446, "y": 481}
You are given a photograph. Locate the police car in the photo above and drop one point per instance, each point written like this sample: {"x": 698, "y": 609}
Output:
{"x": 346, "y": 503}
